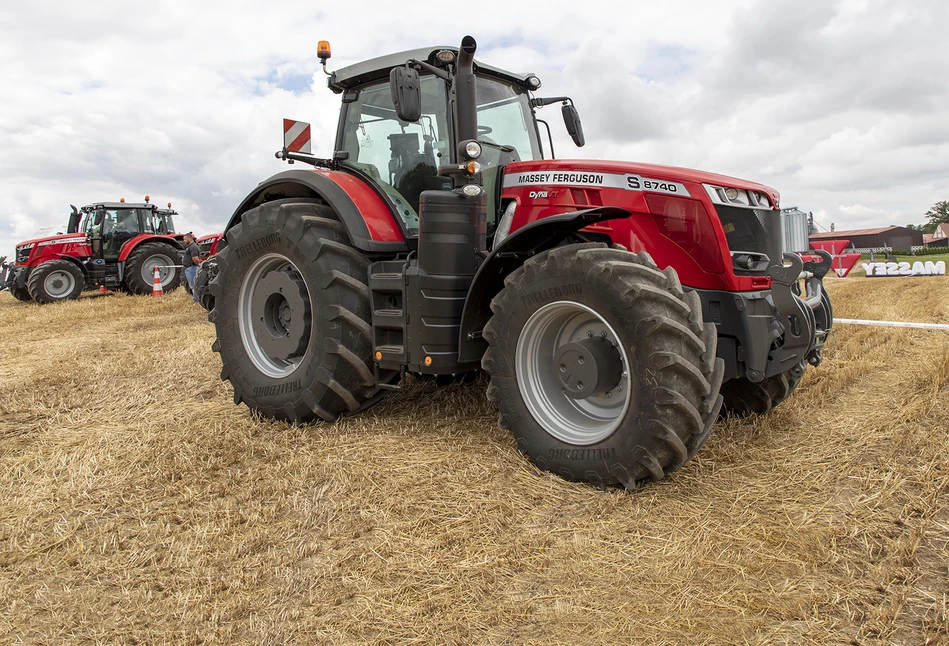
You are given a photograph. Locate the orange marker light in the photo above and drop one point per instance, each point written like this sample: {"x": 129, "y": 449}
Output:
{"x": 473, "y": 167}
{"x": 428, "y": 361}
{"x": 122, "y": 200}
{"x": 378, "y": 355}
{"x": 169, "y": 205}
{"x": 323, "y": 50}
{"x": 147, "y": 198}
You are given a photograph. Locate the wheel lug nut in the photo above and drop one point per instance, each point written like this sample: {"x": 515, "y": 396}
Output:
{"x": 608, "y": 395}
{"x": 590, "y": 333}
{"x": 563, "y": 368}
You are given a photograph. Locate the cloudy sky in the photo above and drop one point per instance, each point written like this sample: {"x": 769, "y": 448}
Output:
{"x": 841, "y": 105}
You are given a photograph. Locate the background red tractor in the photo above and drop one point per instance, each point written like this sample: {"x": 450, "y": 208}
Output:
{"x": 113, "y": 244}
{"x": 615, "y": 305}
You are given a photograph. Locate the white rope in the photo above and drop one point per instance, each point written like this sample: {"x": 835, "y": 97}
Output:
{"x": 922, "y": 326}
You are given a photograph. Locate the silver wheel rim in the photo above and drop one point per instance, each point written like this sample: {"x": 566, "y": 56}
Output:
{"x": 263, "y": 360}
{"x": 576, "y": 421}
{"x": 59, "y": 284}
{"x": 165, "y": 270}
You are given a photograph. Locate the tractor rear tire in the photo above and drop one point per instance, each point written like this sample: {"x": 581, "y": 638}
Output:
{"x": 21, "y": 294}
{"x": 140, "y": 268}
{"x": 636, "y": 338}
{"x": 54, "y": 281}
{"x": 742, "y": 397}
{"x": 292, "y": 314}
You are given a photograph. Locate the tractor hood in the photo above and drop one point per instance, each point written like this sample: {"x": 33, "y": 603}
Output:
{"x": 588, "y": 172}
{"x": 61, "y": 238}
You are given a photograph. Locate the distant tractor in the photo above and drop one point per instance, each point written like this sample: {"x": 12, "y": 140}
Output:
{"x": 612, "y": 303}
{"x": 117, "y": 245}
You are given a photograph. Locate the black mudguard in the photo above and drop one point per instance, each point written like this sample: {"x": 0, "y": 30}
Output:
{"x": 302, "y": 183}
{"x": 528, "y": 241}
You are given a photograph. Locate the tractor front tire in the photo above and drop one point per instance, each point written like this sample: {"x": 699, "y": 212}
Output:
{"x": 201, "y": 284}
{"x": 742, "y": 397}
{"x": 54, "y": 281}
{"x": 292, "y": 313}
{"x": 139, "y": 275}
{"x": 21, "y": 294}
{"x": 602, "y": 366}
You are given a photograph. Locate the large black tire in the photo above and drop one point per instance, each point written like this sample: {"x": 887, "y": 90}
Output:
{"x": 303, "y": 353}
{"x": 21, "y": 294}
{"x": 742, "y": 397}
{"x": 139, "y": 274}
{"x": 666, "y": 354}
{"x": 54, "y": 281}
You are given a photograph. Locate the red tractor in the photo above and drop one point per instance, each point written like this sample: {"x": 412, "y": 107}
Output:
{"x": 113, "y": 244}
{"x": 615, "y": 305}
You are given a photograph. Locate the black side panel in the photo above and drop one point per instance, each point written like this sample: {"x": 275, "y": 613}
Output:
{"x": 301, "y": 183}
{"x": 527, "y": 241}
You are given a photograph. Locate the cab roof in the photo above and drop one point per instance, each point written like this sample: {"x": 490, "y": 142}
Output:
{"x": 120, "y": 205}
{"x": 376, "y": 69}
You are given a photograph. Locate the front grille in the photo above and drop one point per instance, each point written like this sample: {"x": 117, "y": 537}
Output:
{"x": 205, "y": 248}
{"x": 754, "y": 231}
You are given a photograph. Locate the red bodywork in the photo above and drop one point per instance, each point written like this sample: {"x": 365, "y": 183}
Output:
{"x": 68, "y": 245}
{"x": 700, "y": 257}
{"x": 213, "y": 240}
{"x": 375, "y": 212}
{"x": 76, "y": 246}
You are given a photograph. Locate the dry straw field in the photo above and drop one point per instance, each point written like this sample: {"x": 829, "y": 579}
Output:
{"x": 139, "y": 505}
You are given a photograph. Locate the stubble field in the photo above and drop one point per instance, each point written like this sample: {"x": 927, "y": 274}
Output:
{"x": 139, "y": 505}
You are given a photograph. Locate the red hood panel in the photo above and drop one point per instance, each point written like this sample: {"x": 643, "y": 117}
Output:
{"x": 655, "y": 171}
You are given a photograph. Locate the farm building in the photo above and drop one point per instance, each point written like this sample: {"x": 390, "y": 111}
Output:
{"x": 939, "y": 238}
{"x": 892, "y": 237}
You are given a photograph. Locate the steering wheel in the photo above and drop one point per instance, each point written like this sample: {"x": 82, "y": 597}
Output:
{"x": 485, "y": 130}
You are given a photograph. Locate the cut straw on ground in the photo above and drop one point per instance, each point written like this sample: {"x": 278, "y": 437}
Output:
{"x": 139, "y": 505}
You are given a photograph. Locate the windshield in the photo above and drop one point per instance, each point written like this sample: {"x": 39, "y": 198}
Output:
{"x": 504, "y": 119}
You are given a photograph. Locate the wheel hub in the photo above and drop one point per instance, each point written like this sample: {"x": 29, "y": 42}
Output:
{"x": 587, "y": 368}
{"x": 280, "y": 310}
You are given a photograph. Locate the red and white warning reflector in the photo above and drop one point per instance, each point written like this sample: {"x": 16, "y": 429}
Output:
{"x": 296, "y": 136}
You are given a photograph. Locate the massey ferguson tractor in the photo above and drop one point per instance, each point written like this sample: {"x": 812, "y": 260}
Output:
{"x": 114, "y": 244}
{"x": 615, "y": 305}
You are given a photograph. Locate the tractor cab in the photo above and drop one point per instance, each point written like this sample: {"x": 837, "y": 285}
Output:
{"x": 109, "y": 226}
{"x": 402, "y": 157}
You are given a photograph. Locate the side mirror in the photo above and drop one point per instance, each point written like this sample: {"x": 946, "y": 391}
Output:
{"x": 571, "y": 119}
{"x": 74, "y": 217}
{"x": 406, "y": 93}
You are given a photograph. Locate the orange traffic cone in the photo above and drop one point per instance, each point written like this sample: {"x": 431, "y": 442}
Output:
{"x": 156, "y": 286}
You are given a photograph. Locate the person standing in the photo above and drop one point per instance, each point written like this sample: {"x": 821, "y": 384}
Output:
{"x": 190, "y": 259}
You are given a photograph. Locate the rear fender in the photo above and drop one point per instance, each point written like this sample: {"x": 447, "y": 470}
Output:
{"x": 367, "y": 218}
{"x": 141, "y": 239}
{"x": 528, "y": 241}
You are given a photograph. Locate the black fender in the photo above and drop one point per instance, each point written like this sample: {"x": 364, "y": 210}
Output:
{"x": 535, "y": 238}
{"x": 302, "y": 183}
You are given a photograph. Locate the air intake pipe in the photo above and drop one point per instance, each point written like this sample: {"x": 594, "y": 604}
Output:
{"x": 466, "y": 96}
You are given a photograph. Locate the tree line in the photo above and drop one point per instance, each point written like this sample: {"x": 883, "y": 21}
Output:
{"x": 938, "y": 214}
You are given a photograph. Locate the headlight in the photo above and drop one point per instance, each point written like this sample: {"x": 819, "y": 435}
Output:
{"x": 738, "y": 197}
{"x": 473, "y": 149}
{"x": 504, "y": 226}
